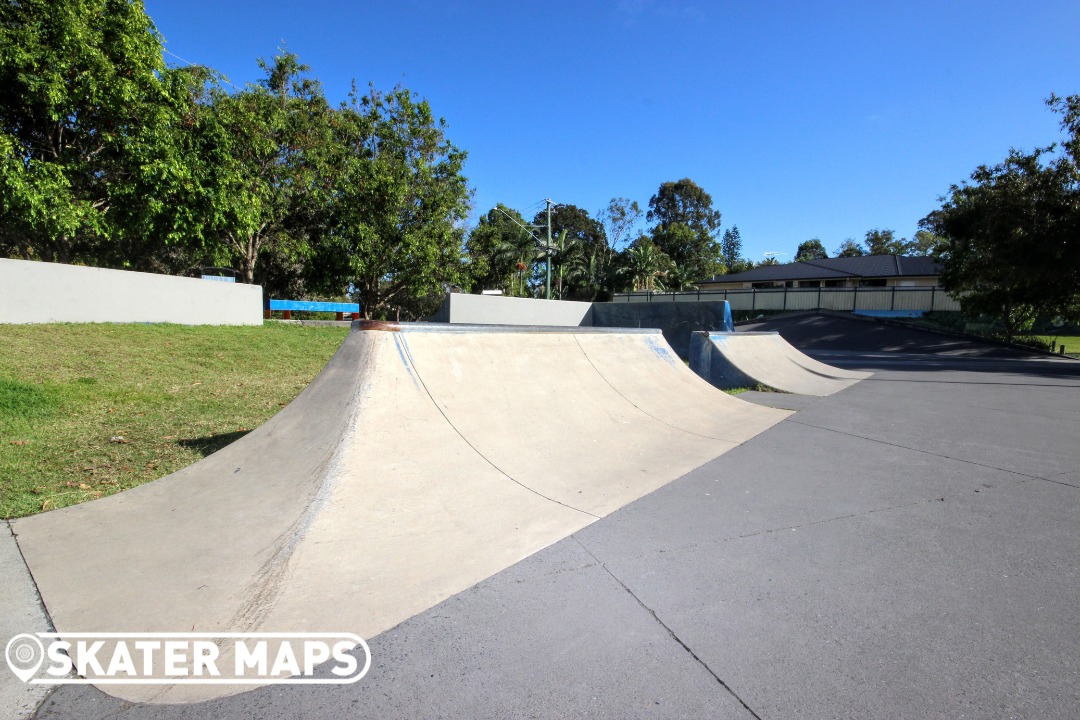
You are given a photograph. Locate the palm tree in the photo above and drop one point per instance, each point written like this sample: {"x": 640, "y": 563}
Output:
{"x": 569, "y": 265}
{"x": 520, "y": 254}
{"x": 645, "y": 266}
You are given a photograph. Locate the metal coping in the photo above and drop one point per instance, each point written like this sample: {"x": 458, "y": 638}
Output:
{"x": 412, "y": 327}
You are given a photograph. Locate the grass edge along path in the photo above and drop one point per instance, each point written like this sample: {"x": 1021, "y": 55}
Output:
{"x": 87, "y": 410}
{"x": 1071, "y": 343}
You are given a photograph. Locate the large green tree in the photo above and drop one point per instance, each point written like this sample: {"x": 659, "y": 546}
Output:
{"x": 643, "y": 266}
{"x": 394, "y": 215}
{"x": 570, "y": 268}
{"x": 924, "y": 243}
{"x": 270, "y": 146}
{"x": 1069, "y": 109}
{"x": 585, "y": 239}
{"x": 686, "y": 228}
{"x": 89, "y": 121}
{"x": 850, "y": 248}
{"x": 500, "y": 240}
{"x": 731, "y": 251}
{"x": 885, "y": 242}
{"x": 577, "y": 224}
{"x": 1012, "y": 240}
{"x": 1010, "y": 236}
{"x": 619, "y": 219}
{"x": 168, "y": 213}
{"x": 811, "y": 249}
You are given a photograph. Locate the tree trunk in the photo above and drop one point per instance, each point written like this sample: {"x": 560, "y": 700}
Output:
{"x": 63, "y": 249}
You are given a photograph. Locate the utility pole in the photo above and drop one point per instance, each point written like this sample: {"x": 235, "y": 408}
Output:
{"x": 549, "y": 203}
{"x": 536, "y": 238}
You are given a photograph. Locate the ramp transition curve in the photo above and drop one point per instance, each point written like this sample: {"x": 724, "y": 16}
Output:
{"x": 747, "y": 359}
{"x": 422, "y": 459}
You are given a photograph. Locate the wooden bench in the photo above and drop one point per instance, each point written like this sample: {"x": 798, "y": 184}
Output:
{"x": 288, "y": 306}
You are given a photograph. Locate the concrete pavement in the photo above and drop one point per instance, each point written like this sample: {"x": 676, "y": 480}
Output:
{"x": 20, "y": 612}
{"x": 904, "y": 548}
{"x": 422, "y": 460}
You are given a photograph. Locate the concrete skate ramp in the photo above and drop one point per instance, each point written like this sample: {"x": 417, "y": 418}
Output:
{"x": 748, "y": 359}
{"x": 423, "y": 459}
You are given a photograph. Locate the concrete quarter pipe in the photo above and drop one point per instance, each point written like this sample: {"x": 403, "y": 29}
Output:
{"x": 748, "y": 359}
{"x": 422, "y": 459}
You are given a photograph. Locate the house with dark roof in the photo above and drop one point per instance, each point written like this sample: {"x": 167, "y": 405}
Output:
{"x": 878, "y": 271}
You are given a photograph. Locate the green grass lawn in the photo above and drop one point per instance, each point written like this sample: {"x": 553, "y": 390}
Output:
{"x": 1071, "y": 342}
{"x": 89, "y": 410}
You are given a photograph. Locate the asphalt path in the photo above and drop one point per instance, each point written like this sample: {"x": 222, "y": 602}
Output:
{"x": 906, "y": 548}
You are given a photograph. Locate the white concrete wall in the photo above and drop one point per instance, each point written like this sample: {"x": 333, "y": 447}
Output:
{"x": 40, "y": 292}
{"x": 498, "y": 310}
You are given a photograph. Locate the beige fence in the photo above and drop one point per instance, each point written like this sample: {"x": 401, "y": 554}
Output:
{"x": 924, "y": 299}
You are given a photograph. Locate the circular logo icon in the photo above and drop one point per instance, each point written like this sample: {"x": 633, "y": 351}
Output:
{"x": 24, "y": 655}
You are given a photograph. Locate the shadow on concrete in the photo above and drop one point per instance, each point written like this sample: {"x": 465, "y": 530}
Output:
{"x": 211, "y": 443}
{"x": 865, "y": 344}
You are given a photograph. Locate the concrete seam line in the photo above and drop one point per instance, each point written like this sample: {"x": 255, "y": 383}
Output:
{"x": 849, "y": 516}
{"x": 669, "y": 631}
{"x": 924, "y": 452}
{"x": 639, "y": 408}
{"x": 408, "y": 353}
{"x": 37, "y": 590}
{"x": 1058, "y": 482}
{"x": 50, "y": 625}
{"x": 785, "y": 528}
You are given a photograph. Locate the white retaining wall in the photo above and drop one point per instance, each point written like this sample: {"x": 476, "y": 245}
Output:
{"x": 498, "y": 310}
{"x": 40, "y": 292}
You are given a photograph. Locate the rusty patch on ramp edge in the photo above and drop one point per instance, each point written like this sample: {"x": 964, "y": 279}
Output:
{"x": 383, "y": 325}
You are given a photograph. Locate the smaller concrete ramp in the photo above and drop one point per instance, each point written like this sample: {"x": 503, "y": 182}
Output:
{"x": 749, "y": 359}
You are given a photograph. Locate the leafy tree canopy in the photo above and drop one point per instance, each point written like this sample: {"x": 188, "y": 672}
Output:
{"x": 273, "y": 140}
{"x": 495, "y": 246}
{"x": 396, "y": 204}
{"x": 885, "y": 242}
{"x": 1012, "y": 239}
{"x": 849, "y": 248}
{"x": 88, "y": 118}
{"x": 686, "y": 227}
{"x": 924, "y": 243}
{"x": 644, "y": 266}
{"x": 810, "y": 250}
{"x": 1009, "y": 238}
{"x": 686, "y": 203}
{"x": 619, "y": 219}
{"x": 577, "y": 224}
{"x": 581, "y": 251}
{"x": 1069, "y": 109}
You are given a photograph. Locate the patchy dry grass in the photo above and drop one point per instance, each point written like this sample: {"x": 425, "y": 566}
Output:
{"x": 88, "y": 410}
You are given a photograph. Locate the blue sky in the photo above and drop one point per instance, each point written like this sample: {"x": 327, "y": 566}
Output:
{"x": 800, "y": 119}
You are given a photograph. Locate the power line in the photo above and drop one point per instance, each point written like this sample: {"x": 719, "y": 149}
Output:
{"x": 524, "y": 227}
{"x": 191, "y": 64}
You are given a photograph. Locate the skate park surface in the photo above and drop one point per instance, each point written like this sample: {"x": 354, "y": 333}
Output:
{"x": 744, "y": 359}
{"x": 903, "y": 548}
{"x": 419, "y": 462}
